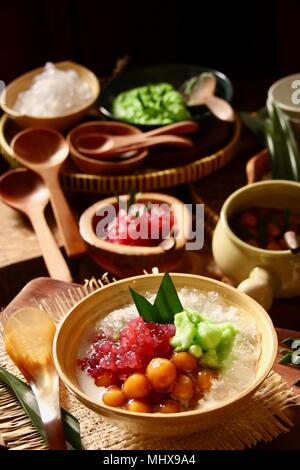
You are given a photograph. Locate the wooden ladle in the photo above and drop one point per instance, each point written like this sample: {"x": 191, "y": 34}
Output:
{"x": 107, "y": 145}
{"x": 25, "y": 191}
{"x": 203, "y": 92}
{"x": 44, "y": 150}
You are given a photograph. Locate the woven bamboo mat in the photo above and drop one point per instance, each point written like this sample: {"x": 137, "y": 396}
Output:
{"x": 262, "y": 419}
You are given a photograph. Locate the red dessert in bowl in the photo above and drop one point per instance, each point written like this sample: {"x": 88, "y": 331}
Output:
{"x": 127, "y": 239}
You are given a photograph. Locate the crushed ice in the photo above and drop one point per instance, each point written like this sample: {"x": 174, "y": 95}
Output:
{"x": 52, "y": 93}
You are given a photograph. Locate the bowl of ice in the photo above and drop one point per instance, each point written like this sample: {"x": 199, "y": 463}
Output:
{"x": 57, "y": 95}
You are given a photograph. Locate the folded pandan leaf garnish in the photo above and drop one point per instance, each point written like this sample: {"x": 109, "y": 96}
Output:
{"x": 165, "y": 306}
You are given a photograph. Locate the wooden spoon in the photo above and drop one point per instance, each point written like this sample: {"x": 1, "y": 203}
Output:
{"x": 101, "y": 144}
{"x": 108, "y": 146}
{"x": 44, "y": 151}
{"x": 28, "y": 336}
{"x": 203, "y": 93}
{"x": 25, "y": 191}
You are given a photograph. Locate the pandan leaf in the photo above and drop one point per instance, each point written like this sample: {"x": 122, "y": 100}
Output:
{"x": 292, "y": 148}
{"x": 278, "y": 152}
{"x": 28, "y": 401}
{"x": 284, "y": 351}
{"x": 262, "y": 113}
{"x": 271, "y": 144}
{"x": 256, "y": 124}
{"x": 288, "y": 341}
{"x": 271, "y": 126}
{"x": 287, "y": 359}
{"x": 165, "y": 306}
{"x": 146, "y": 310}
{"x": 167, "y": 301}
{"x": 283, "y": 150}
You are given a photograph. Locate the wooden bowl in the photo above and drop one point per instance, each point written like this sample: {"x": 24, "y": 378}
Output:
{"x": 95, "y": 306}
{"x": 124, "y": 260}
{"x": 64, "y": 121}
{"x": 96, "y": 166}
{"x": 258, "y": 167}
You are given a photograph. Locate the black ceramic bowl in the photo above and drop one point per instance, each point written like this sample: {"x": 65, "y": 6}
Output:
{"x": 175, "y": 74}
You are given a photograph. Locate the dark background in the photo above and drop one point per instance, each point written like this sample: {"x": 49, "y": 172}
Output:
{"x": 253, "y": 42}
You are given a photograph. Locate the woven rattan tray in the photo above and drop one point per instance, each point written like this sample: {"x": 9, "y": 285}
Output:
{"x": 216, "y": 146}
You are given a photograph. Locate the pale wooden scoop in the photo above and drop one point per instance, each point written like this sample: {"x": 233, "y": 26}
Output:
{"x": 107, "y": 145}
{"x": 44, "y": 151}
{"x": 25, "y": 191}
{"x": 203, "y": 92}
{"x": 28, "y": 336}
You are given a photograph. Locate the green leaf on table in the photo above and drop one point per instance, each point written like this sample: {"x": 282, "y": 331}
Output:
{"x": 284, "y": 351}
{"x": 283, "y": 149}
{"x": 288, "y": 341}
{"x": 28, "y": 401}
{"x": 165, "y": 306}
{"x": 291, "y": 145}
{"x": 256, "y": 124}
{"x": 286, "y": 359}
{"x": 271, "y": 144}
{"x": 277, "y": 147}
{"x": 262, "y": 113}
{"x": 272, "y": 128}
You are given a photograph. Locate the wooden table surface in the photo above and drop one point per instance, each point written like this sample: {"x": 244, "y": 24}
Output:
{"x": 20, "y": 257}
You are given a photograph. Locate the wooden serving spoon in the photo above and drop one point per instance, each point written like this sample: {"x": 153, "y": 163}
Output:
{"x": 44, "y": 150}
{"x": 28, "y": 336}
{"x": 107, "y": 145}
{"x": 110, "y": 147}
{"x": 25, "y": 191}
{"x": 203, "y": 93}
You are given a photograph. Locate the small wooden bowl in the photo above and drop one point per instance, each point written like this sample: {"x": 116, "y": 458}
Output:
{"x": 96, "y": 166}
{"x": 258, "y": 167}
{"x": 64, "y": 121}
{"x": 97, "y": 305}
{"x": 124, "y": 260}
